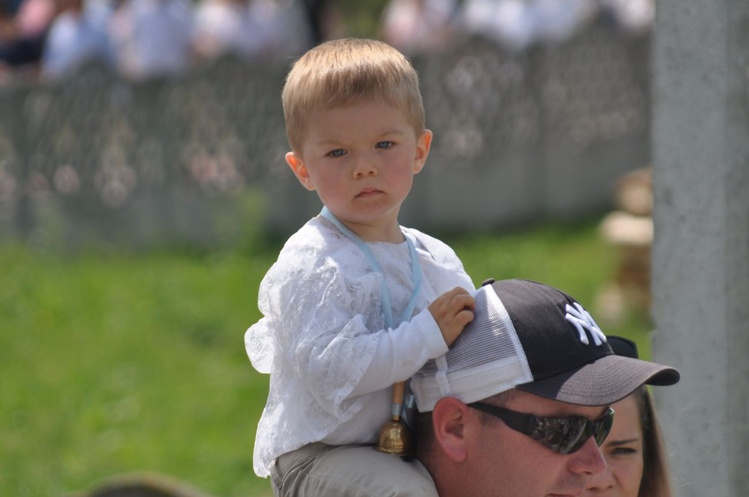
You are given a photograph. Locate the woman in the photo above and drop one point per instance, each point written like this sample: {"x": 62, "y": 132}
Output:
{"x": 634, "y": 451}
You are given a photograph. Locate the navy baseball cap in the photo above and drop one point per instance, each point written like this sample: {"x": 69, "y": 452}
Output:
{"x": 538, "y": 339}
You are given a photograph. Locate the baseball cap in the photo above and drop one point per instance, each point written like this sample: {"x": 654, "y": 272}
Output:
{"x": 533, "y": 337}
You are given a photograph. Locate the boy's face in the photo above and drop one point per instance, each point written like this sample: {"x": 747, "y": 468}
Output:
{"x": 361, "y": 159}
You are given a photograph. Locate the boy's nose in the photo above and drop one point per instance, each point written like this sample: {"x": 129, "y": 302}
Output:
{"x": 365, "y": 166}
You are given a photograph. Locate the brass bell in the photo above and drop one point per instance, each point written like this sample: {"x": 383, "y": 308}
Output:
{"x": 395, "y": 435}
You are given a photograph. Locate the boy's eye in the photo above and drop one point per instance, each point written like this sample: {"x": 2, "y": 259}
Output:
{"x": 385, "y": 144}
{"x": 339, "y": 152}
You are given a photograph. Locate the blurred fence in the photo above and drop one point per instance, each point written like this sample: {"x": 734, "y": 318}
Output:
{"x": 199, "y": 159}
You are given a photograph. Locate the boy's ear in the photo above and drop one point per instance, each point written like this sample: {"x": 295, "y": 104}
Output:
{"x": 300, "y": 170}
{"x": 423, "y": 144}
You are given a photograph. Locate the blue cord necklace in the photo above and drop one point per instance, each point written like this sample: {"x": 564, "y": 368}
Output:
{"x": 397, "y": 408}
{"x": 384, "y": 292}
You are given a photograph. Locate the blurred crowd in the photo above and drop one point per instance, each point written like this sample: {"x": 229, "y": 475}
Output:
{"x": 142, "y": 39}
{"x": 428, "y": 25}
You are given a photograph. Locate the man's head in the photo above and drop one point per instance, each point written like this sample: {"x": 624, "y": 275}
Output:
{"x": 340, "y": 72}
{"x": 534, "y": 351}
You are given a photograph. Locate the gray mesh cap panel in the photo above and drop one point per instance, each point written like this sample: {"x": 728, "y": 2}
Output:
{"x": 485, "y": 360}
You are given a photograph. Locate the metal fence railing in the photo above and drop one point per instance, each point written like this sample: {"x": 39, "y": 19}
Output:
{"x": 197, "y": 159}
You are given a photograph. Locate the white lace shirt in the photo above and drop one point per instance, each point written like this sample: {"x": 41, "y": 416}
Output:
{"x": 323, "y": 340}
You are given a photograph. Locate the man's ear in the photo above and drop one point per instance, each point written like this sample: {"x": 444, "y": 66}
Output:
{"x": 300, "y": 170}
{"x": 423, "y": 144}
{"x": 451, "y": 430}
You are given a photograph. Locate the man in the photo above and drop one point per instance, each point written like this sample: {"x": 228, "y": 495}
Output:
{"x": 518, "y": 405}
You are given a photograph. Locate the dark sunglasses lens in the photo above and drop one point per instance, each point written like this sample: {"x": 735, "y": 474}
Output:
{"x": 603, "y": 427}
{"x": 561, "y": 435}
{"x": 568, "y": 435}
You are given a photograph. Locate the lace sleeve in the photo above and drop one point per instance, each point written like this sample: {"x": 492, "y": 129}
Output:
{"x": 320, "y": 328}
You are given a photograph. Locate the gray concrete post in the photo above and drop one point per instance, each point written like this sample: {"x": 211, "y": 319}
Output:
{"x": 701, "y": 246}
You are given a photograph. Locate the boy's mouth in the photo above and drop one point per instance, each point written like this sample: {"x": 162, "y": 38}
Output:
{"x": 368, "y": 192}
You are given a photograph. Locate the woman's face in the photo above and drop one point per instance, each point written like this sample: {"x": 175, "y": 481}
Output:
{"x": 623, "y": 452}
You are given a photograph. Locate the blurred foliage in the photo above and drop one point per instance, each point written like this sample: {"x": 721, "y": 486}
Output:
{"x": 361, "y": 17}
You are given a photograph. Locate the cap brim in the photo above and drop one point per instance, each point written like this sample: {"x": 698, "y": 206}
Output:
{"x": 603, "y": 382}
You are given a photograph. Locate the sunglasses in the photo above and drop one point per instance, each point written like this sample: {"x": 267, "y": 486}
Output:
{"x": 562, "y": 435}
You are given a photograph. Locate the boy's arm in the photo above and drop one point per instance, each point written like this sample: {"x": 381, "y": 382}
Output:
{"x": 403, "y": 351}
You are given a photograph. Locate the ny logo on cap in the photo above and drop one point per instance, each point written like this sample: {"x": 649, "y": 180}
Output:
{"x": 582, "y": 321}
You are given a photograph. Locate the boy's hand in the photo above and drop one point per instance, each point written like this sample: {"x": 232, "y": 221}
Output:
{"x": 452, "y": 311}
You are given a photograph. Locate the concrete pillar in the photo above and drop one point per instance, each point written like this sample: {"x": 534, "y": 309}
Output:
{"x": 701, "y": 247}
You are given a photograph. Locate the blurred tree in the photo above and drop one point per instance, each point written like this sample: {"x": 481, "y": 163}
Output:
{"x": 361, "y": 17}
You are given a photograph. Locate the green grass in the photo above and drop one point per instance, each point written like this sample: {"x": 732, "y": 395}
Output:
{"x": 119, "y": 363}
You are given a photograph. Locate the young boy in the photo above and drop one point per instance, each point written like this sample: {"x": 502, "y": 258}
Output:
{"x": 355, "y": 302}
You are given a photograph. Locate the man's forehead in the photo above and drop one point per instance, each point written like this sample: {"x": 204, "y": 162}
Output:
{"x": 540, "y": 406}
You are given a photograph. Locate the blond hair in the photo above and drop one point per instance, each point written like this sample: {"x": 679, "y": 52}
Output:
{"x": 340, "y": 72}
